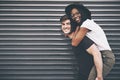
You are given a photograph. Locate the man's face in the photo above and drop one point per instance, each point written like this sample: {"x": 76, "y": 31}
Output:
{"x": 75, "y": 14}
{"x": 66, "y": 26}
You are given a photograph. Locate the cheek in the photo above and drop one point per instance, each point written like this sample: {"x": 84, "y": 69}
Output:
{"x": 80, "y": 15}
{"x": 69, "y": 26}
{"x": 63, "y": 29}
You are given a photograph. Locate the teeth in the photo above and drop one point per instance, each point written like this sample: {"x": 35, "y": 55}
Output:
{"x": 77, "y": 19}
{"x": 66, "y": 30}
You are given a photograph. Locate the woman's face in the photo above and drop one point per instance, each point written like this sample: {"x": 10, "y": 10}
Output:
{"x": 75, "y": 14}
{"x": 66, "y": 26}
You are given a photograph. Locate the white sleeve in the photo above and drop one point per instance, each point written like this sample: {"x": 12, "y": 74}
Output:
{"x": 87, "y": 24}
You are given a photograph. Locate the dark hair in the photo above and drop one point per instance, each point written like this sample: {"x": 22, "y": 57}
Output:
{"x": 73, "y": 25}
{"x": 63, "y": 18}
{"x": 85, "y": 13}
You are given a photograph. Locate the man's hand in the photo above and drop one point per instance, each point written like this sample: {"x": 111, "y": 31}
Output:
{"x": 99, "y": 78}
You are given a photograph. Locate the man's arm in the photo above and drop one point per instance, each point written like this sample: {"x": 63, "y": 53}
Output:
{"x": 78, "y": 36}
{"x": 93, "y": 50}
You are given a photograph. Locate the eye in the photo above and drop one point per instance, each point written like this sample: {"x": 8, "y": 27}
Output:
{"x": 63, "y": 24}
{"x": 73, "y": 15}
{"x": 68, "y": 23}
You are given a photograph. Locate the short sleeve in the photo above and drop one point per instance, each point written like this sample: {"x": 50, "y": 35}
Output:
{"x": 86, "y": 42}
{"x": 88, "y": 24}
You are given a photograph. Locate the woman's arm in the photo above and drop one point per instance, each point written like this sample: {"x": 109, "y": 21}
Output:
{"x": 79, "y": 35}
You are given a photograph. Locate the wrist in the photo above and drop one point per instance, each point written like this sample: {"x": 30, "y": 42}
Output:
{"x": 99, "y": 78}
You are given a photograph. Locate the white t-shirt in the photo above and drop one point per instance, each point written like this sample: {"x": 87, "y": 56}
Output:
{"x": 96, "y": 34}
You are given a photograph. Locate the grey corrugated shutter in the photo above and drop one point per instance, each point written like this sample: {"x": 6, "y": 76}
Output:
{"x": 32, "y": 46}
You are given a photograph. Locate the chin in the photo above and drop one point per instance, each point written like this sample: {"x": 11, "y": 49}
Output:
{"x": 66, "y": 32}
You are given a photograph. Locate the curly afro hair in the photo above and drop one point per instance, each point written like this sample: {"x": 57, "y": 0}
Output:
{"x": 85, "y": 13}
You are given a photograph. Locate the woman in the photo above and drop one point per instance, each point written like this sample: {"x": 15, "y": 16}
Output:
{"x": 81, "y": 16}
{"x": 83, "y": 52}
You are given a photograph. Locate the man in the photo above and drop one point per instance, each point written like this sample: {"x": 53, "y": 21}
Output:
{"x": 80, "y": 51}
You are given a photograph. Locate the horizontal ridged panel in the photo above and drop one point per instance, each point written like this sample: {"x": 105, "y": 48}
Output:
{"x": 32, "y": 46}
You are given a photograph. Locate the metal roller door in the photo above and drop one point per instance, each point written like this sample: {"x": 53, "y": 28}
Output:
{"x": 32, "y": 46}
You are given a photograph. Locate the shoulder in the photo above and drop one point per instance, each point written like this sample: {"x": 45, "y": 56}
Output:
{"x": 86, "y": 42}
{"x": 87, "y": 21}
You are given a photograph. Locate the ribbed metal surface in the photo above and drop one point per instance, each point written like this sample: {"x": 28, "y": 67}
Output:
{"x": 32, "y": 46}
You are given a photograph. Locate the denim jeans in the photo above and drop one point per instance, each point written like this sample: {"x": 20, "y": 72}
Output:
{"x": 108, "y": 62}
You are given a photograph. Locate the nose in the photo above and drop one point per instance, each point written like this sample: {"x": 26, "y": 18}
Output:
{"x": 65, "y": 25}
{"x": 75, "y": 16}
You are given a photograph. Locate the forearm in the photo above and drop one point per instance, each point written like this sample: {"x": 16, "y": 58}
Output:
{"x": 98, "y": 64}
{"x": 78, "y": 36}
{"x": 77, "y": 39}
{"x": 93, "y": 50}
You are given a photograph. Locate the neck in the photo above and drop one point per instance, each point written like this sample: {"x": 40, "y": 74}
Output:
{"x": 71, "y": 35}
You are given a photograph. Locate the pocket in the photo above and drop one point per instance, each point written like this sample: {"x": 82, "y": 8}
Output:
{"x": 108, "y": 58}
{"x": 108, "y": 54}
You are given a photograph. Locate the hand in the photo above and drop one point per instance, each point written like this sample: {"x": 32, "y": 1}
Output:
{"x": 99, "y": 78}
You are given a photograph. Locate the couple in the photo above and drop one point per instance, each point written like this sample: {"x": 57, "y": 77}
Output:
{"x": 89, "y": 43}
